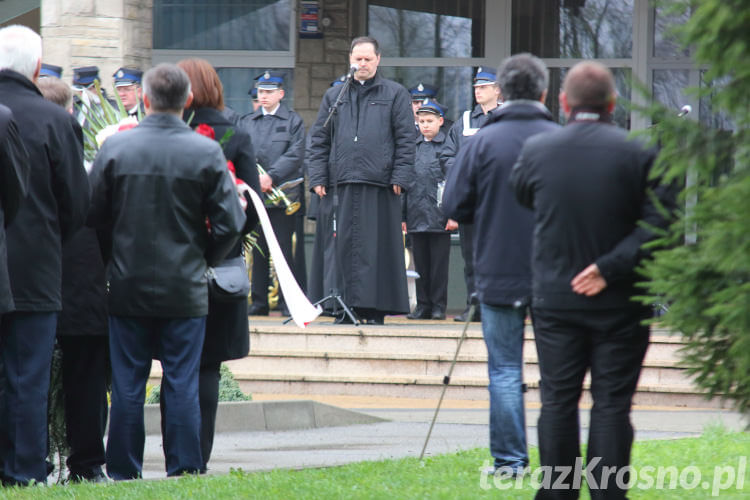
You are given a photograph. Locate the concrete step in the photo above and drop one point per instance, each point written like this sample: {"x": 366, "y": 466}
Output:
{"x": 654, "y": 372}
{"x": 422, "y": 339}
{"x": 430, "y": 388}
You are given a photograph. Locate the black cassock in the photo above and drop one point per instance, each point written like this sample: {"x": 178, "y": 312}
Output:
{"x": 367, "y": 262}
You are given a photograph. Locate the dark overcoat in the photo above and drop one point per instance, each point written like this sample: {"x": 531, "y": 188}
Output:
{"x": 367, "y": 147}
{"x": 58, "y": 194}
{"x": 14, "y": 177}
{"x": 420, "y": 201}
{"x": 227, "y": 329}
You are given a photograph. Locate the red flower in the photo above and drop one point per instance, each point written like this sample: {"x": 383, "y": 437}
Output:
{"x": 231, "y": 168}
{"x": 206, "y": 130}
{"x": 127, "y": 126}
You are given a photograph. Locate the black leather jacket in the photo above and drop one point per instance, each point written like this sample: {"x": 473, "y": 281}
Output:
{"x": 153, "y": 188}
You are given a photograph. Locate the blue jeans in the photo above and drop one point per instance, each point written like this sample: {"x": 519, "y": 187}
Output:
{"x": 177, "y": 342}
{"x": 502, "y": 328}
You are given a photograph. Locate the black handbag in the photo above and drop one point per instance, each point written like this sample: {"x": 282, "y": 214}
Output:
{"x": 229, "y": 281}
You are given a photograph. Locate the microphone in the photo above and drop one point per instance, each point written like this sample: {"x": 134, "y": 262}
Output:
{"x": 353, "y": 69}
{"x": 686, "y": 109}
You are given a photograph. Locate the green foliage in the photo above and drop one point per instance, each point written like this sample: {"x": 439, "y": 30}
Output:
{"x": 703, "y": 270}
{"x": 453, "y": 476}
{"x": 229, "y": 389}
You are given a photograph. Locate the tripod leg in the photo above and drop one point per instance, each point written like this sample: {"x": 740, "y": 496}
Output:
{"x": 347, "y": 310}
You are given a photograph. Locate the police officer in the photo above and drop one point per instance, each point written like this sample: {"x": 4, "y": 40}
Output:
{"x": 50, "y": 70}
{"x": 278, "y": 135}
{"x": 487, "y": 95}
{"x": 128, "y": 87}
{"x": 419, "y": 93}
{"x": 85, "y": 98}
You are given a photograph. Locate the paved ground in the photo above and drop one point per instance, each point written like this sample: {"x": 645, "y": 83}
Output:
{"x": 461, "y": 425}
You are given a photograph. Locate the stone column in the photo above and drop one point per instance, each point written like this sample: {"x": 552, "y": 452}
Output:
{"x": 104, "y": 33}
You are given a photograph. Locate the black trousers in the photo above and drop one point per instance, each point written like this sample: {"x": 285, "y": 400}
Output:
{"x": 466, "y": 234}
{"x": 612, "y": 345}
{"x": 85, "y": 362}
{"x": 431, "y": 253}
{"x": 283, "y": 227}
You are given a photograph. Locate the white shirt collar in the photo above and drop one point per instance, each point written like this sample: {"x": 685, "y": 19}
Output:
{"x": 272, "y": 112}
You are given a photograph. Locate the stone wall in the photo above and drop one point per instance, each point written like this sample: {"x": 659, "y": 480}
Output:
{"x": 104, "y": 33}
{"x": 321, "y": 60}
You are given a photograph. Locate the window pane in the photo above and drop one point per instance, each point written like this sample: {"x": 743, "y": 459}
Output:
{"x": 454, "y": 83}
{"x": 222, "y": 24}
{"x": 587, "y": 29}
{"x": 238, "y": 81}
{"x": 665, "y": 45}
{"x": 623, "y": 80}
{"x": 427, "y": 28}
{"x": 709, "y": 114}
{"x": 669, "y": 87}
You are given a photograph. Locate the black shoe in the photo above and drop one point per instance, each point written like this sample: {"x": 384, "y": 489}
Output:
{"x": 419, "y": 312}
{"x": 344, "y": 319}
{"x": 438, "y": 313}
{"x": 462, "y": 317}
{"x": 92, "y": 476}
{"x": 257, "y": 310}
{"x": 379, "y": 320}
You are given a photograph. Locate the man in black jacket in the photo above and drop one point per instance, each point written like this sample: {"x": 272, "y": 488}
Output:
{"x": 278, "y": 135}
{"x": 588, "y": 186}
{"x": 359, "y": 163}
{"x": 154, "y": 186}
{"x": 53, "y": 210}
{"x": 477, "y": 191}
{"x": 14, "y": 177}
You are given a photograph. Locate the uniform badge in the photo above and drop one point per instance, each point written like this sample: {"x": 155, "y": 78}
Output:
{"x": 120, "y": 74}
{"x": 267, "y": 76}
{"x": 420, "y": 87}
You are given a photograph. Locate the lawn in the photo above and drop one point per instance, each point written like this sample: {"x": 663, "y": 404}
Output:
{"x": 711, "y": 466}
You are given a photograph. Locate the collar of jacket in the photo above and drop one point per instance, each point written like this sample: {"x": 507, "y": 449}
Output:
{"x": 520, "y": 109}
{"x": 439, "y": 138}
{"x": 589, "y": 114}
{"x": 163, "y": 120}
{"x": 18, "y": 79}
{"x": 282, "y": 112}
{"x": 209, "y": 116}
{"x": 371, "y": 83}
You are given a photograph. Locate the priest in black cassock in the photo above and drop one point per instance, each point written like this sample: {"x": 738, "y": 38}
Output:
{"x": 359, "y": 164}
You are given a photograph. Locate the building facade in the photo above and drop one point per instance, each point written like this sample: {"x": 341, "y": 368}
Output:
{"x": 437, "y": 41}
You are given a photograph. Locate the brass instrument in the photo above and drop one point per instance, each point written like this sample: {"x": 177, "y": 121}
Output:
{"x": 277, "y": 195}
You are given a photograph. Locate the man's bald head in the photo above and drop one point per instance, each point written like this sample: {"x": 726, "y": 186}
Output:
{"x": 591, "y": 85}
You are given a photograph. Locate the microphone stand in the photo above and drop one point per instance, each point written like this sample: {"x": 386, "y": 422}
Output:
{"x": 333, "y": 293}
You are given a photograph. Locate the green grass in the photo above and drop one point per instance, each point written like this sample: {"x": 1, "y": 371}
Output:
{"x": 451, "y": 476}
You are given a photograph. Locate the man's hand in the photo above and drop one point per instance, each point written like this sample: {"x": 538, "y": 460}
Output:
{"x": 266, "y": 183}
{"x": 451, "y": 225}
{"x": 589, "y": 282}
{"x": 396, "y": 189}
{"x": 320, "y": 191}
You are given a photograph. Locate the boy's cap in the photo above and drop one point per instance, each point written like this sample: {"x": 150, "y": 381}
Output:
{"x": 270, "y": 80}
{"x": 484, "y": 77}
{"x": 431, "y": 106}
{"x": 338, "y": 81}
{"x": 423, "y": 91}
{"x": 85, "y": 76}
{"x": 253, "y": 93}
{"x": 127, "y": 76}
{"x": 50, "y": 70}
